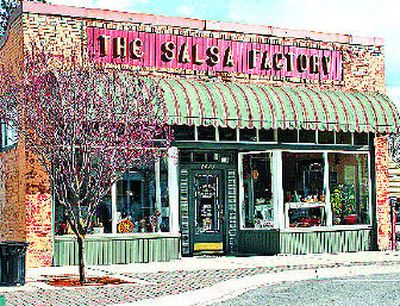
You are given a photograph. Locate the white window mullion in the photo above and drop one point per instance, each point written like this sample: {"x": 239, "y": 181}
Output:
{"x": 173, "y": 190}
{"x": 328, "y": 208}
{"x": 217, "y": 134}
{"x": 277, "y": 189}
{"x": 196, "y": 134}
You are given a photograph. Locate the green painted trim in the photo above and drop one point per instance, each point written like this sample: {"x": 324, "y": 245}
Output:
{"x": 326, "y": 242}
{"x": 274, "y": 242}
{"x": 102, "y": 250}
{"x": 258, "y": 242}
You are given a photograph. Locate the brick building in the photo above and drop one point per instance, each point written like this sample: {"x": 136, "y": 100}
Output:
{"x": 281, "y": 141}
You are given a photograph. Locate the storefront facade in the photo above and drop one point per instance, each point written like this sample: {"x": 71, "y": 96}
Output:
{"x": 280, "y": 141}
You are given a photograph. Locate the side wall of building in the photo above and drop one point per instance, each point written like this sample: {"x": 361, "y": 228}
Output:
{"x": 12, "y": 180}
{"x": 25, "y": 204}
{"x": 61, "y": 36}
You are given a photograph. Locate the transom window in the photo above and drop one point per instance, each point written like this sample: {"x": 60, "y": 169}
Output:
{"x": 287, "y": 136}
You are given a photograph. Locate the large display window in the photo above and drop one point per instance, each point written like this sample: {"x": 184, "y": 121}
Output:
{"x": 304, "y": 192}
{"x": 137, "y": 204}
{"x": 258, "y": 206}
{"x": 349, "y": 188}
{"x": 301, "y": 189}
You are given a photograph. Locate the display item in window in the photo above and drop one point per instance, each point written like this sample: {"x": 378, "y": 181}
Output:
{"x": 125, "y": 226}
{"x": 156, "y": 221}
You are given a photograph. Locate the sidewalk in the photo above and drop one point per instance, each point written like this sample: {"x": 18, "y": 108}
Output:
{"x": 194, "y": 281}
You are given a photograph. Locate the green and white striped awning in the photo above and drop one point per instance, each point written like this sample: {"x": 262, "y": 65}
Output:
{"x": 217, "y": 103}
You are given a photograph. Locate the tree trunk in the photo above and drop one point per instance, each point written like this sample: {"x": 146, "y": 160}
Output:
{"x": 82, "y": 260}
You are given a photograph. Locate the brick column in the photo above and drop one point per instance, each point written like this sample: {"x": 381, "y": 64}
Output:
{"x": 12, "y": 192}
{"x": 382, "y": 196}
{"x": 38, "y": 205}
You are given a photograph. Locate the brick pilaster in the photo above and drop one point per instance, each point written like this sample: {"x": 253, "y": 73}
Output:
{"x": 384, "y": 233}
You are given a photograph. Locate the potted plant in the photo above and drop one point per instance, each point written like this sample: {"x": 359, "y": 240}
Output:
{"x": 343, "y": 201}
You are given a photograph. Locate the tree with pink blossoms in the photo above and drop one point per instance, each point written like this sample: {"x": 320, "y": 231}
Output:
{"x": 87, "y": 125}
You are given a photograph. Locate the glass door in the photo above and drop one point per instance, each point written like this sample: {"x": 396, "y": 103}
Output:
{"x": 208, "y": 211}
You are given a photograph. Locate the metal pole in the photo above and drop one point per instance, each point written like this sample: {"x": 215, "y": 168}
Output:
{"x": 393, "y": 204}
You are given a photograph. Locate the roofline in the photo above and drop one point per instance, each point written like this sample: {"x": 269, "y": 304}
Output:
{"x": 207, "y": 25}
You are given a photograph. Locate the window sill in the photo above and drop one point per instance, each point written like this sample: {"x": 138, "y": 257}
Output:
{"x": 121, "y": 236}
{"x": 328, "y": 228}
{"x": 260, "y": 229}
{"x": 313, "y": 229}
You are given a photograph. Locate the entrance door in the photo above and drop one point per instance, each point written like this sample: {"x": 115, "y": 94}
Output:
{"x": 208, "y": 211}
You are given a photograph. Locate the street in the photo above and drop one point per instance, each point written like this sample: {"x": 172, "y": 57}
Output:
{"x": 359, "y": 290}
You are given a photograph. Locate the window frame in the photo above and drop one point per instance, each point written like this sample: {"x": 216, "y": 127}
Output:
{"x": 158, "y": 204}
{"x": 276, "y": 139}
{"x": 278, "y": 192}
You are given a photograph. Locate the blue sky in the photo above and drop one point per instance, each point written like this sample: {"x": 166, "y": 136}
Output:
{"x": 358, "y": 17}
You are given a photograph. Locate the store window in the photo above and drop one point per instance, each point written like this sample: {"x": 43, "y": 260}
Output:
{"x": 8, "y": 135}
{"x": 303, "y": 185}
{"x": 206, "y": 133}
{"x": 307, "y": 136}
{"x": 257, "y": 208}
{"x": 287, "y": 136}
{"x": 266, "y": 135}
{"x": 248, "y": 134}
{"x": 326, "y": 137}
{"x": 141, "y": 204}
{"x": 185, "y": 157}
{"x": 349, "y": 188}
{"x": 227, "y": 134}
{"x": 344, "y": 138}
{"x": 361, "y": 139}
{"x": 184, "y": 132}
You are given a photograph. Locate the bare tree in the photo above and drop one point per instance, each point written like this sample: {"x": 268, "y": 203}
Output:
{"x": 87, "y": 125}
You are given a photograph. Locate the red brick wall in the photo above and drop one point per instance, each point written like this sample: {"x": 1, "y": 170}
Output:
{"x": 25, "y": 203}
{"x": 363, "y": 66}
{"x": 38, "y": 207}
{"x": 12, "y": 204}
{"x": 12, "y": 193}
{"x": 384, "y": 233}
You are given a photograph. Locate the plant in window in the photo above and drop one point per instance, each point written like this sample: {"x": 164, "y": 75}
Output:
{"x": 343, "y": 201}
{"x": 86, "y": 125}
